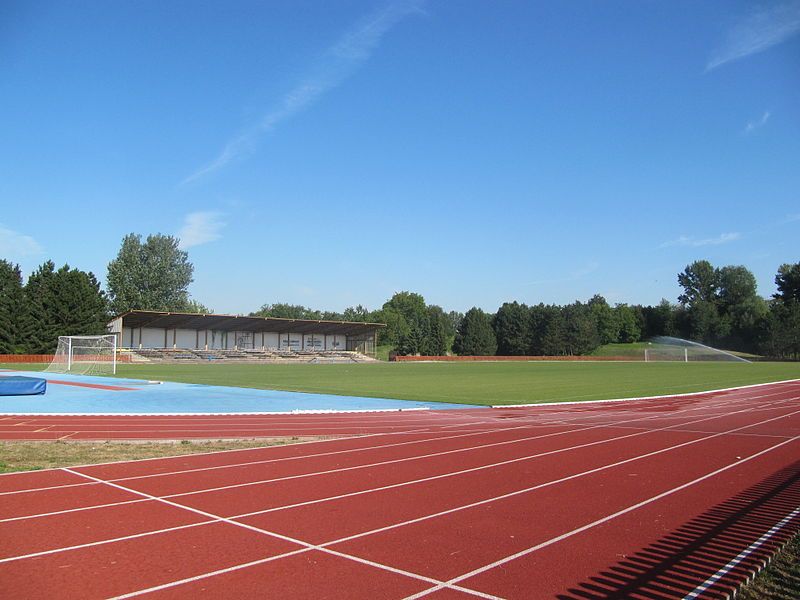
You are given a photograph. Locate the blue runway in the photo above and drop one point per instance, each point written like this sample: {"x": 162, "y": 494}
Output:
{"x": 184, "y": 398}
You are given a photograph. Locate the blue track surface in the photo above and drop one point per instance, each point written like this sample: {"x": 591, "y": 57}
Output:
{"x": 185, "y": 398}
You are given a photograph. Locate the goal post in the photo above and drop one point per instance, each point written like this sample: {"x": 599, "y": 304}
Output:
{"x": 85, "y": 355}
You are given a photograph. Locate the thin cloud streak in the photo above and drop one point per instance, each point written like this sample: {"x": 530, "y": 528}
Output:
{"x": 757, "y": 123}
{"x": 336, "y": 64}
{"x": 200, "y": 228}
{"x": 575, "y": 275}
{"x": 16, "y": 246}
{"x": 759, "y": 31}
{"x": 692, "y": 242}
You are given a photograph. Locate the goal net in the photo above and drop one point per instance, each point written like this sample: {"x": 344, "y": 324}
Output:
{"x": 664, "y": 348}
{"x": 85, "y": 355}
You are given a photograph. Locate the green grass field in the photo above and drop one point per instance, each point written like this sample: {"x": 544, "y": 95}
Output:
{"x": 476, "y": 383}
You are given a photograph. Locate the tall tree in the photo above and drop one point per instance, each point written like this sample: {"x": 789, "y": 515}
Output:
{"x": 580, "y": 329}
{"x": 80, "y": 307}
{"x": 554, "y": 335}
{"x": 741, "y": 307}
{"x": 39, "y": 325}
{"x": 12, "y": 308}
{"x": 607, "y": 323}
{"x": 700, "y": 282}
{"x": 154, "y": 275}
{"x": 475, "y": 336}
{"x": 406, "y": 318}
{"x": 439, "y": 336}
{"x": 700, "y": 298}
{"x": 630, "y": 329}
{"x": 511, "y": 326}
{"x": 788, "y": 282}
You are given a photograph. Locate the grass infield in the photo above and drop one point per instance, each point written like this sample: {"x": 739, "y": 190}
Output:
{"x": 475, "y": 383}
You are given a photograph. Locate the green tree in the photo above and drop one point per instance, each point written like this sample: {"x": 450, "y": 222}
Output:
{"x": 439, "y": 338}
{"x": 282, "y": 310}
{"x": 63, "y": 302}
{"x": 80, "y": 307}
{"x": 580, "y": 329}
{"x": 358, "y": 314}
{"x": 630, "y": 328}
{"x": 39, "y": 325}
{"x": 406, "y": 318}
{"x": 700, "y": 282}
{"x": 700, "y": 298}
{"x": 788, "y": 282}
{"x": 552, "y": 335}
{"x": 475, "y": 336}
{"x": 154, "y": 275}
{"x": 741, "y": 307}
{"x": 659, "y": 319}
{"x": 511, "y": 327}
{"x": 608, "y": 326}
{"x": 193, "y": 306}
{"x": 12, "y": 308}
{"x": 782, "y": 335}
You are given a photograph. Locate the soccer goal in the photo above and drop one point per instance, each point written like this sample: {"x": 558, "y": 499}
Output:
{"x": 85, "y": 355}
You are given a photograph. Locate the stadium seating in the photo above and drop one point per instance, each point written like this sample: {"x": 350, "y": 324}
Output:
{"x": 267, "y": 355}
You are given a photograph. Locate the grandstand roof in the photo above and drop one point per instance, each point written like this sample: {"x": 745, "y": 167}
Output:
{"x": 180, "y": 320}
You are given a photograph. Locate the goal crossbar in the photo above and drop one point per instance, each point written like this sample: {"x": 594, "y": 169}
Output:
{"x": 85, "y": 355}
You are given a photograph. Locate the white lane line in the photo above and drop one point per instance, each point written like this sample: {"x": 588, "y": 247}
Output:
{"x": 539, "y": 486}
{"x": 450, "y": 474}
{"x": 576, "y": 417}
{"x": 605, "y": 519}
{"x": 681, "y": 395}
{"x": 429, "y": 429}
{"x": 742, "y": 555}
{"x": 99, "y": 506}
{"x": 472, "y": 469}
{"x": 739, "y": 434}
{"x": 397, "y": 485}
{"x": 306, "y": 545}
{"x": 267, "y": 461}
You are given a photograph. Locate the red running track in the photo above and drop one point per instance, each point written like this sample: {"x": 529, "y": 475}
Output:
{"x": 664, "y": 498}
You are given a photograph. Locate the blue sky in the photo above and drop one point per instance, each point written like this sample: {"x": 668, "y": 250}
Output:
{"x": 332, "y": 153}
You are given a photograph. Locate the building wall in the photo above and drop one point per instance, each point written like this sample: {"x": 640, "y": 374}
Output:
{"x": 154, "y": 337}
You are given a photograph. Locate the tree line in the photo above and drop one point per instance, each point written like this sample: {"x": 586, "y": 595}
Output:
{"x": 150, "y": 275}
{"x": 718, "y": 306}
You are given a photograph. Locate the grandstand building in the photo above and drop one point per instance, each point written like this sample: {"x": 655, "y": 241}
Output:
{"x": 144, "y": 329}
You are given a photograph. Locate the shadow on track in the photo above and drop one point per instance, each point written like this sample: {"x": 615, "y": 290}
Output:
{"x": 675, "y": 565}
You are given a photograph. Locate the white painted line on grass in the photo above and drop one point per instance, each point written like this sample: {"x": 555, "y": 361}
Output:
{"x": 730, "y": 389}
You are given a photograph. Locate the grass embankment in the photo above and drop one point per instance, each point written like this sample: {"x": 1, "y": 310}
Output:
{"x": 780, "y": 580}
{"x": 476, "y": 383}
{"x": 31, "y": 456}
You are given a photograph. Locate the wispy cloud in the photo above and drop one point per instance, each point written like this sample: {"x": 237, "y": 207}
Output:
{"x": 335, "y": 65}
{"x": 761, "y": 29}
{"x": 200, "y": 228}
{"x": 16, "y": 246}
{"x": 792, "y": 218}
{"x": 587, "y": 269}
{"x": 756, "y": 123}
{"x": 693, "y": 242}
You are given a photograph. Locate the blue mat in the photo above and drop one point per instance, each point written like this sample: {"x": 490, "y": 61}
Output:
{"x": 188, "y": 398}
{"x": 16, "y": 385}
